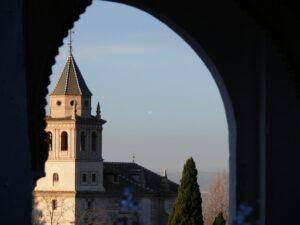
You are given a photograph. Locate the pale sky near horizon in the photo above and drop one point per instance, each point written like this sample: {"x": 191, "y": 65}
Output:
{"x": 158, "y": 98}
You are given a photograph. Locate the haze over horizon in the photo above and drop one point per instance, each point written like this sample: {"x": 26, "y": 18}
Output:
{"x": 158, "y": 98}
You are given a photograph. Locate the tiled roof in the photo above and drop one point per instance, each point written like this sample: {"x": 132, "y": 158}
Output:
{"x": 126, "y": 173}
{"x": 70, "y": 81}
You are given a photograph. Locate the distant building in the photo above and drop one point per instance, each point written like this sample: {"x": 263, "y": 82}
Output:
{"x": 79, "y": 188}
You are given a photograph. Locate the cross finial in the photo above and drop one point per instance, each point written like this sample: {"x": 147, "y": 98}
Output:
{"x": 70, "y": 42}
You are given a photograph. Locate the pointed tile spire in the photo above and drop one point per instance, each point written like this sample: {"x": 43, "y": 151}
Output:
{"x": 70, "y": 81}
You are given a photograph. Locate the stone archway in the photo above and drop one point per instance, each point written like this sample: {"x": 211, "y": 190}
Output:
{"x": 195, "y": 44}
{"x": 240, "y": 58}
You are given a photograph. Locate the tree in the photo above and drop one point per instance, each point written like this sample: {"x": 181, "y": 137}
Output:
{"x": 56, "y": 210}
{"x": 50, "y": 211}
{"x": 219, "y": 220}
{"x": 187, "y": 207}
{"x": 217, "y": 200}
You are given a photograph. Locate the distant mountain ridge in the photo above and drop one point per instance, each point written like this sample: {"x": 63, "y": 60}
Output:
{"x": 204, "y": 178}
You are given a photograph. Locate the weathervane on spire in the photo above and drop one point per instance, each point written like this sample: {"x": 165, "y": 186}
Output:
{"x": 70, "y": 42}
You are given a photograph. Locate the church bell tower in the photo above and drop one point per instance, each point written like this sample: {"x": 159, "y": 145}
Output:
{"x": 74, "y": 136}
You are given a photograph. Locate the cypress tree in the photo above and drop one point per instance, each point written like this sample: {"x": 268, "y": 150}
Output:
{"x": 187, "y": 207}
{"x": 219, "y": 220}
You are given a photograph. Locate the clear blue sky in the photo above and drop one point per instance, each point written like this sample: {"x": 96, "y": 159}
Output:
{"x": 157, "y": 96}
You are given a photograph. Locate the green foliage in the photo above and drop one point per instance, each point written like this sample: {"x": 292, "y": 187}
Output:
{"x": 187, "y": 207}
{"x": 219, "y": 220}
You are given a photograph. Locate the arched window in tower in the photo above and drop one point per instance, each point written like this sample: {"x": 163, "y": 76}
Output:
{"x": 94, "y": 141}
{"x": 64, "y": 141}
{"x": 82, "y": 141}
{"x": 49, "y": 140}
{"x": 55, "y": 179}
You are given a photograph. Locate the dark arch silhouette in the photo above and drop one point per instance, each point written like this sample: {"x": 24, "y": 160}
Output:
{"x": 263, "y": 94}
